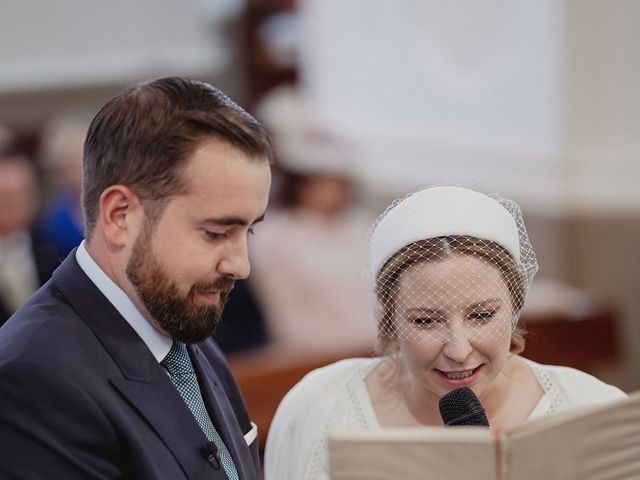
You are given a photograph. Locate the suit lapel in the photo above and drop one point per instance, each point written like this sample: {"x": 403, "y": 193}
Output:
{"x": 160, "y": 404}
{"x": 222, "y": 414}
{"x": 143, "y": 382}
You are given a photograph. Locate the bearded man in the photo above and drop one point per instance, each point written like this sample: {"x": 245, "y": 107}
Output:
{"x": 109, "y": 371}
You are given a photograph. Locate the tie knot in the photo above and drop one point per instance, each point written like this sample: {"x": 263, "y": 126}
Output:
{"x": 177, "y": 361}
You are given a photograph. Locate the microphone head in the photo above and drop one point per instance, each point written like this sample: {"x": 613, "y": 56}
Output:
{"x": 462, "y": 407}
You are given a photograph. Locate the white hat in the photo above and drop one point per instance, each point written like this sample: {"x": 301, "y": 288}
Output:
{"x": 301, "y": 144}
{"x": 441, "y": 211}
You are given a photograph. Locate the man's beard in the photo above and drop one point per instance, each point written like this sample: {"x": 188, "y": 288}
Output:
{"x": 176, "y": 314}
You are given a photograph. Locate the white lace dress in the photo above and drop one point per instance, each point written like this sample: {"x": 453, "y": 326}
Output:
{"x": 335, "y": 398}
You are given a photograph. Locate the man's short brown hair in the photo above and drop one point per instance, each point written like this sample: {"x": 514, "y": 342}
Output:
{"x": 142, "y": 138}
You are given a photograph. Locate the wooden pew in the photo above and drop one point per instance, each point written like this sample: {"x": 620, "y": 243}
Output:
{"x": 266, "y": 375}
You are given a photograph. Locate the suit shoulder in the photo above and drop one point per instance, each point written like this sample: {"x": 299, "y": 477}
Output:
{"x": 46, "y": 328}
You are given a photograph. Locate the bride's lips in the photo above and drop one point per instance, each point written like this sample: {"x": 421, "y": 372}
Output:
{"x": 459, "y": 378}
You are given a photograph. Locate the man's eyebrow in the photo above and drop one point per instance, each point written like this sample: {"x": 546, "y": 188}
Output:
{"x": 230, "y": 221}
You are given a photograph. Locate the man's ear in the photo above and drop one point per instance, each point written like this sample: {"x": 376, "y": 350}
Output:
{"x": 120, "y": 214}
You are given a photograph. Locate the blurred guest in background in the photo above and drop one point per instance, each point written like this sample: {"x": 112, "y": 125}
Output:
{"x": 27, "y": 256}
{"x": 242, "y": 326}
{"x": 308, "y": 261}
{"x": 308, "y": 266}
{"x": 60, "y": 154}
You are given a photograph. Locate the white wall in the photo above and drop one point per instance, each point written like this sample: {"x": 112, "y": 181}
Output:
{"x": 83, "y": 51}
{"x": 537, "y": 100}
{"x": 603, "y": 122}
{"x": 76, "y": 42}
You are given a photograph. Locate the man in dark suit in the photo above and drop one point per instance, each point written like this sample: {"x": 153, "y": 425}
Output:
{"x": 109, "y": 371}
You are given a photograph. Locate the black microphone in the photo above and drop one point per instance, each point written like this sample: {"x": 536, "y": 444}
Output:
{"x": 211, "y": 454}
{"x": 462, "y": 407}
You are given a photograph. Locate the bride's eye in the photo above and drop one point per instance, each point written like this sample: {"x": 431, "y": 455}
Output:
{"x": 427, "y": 321}
{"x": 483, "y": 316}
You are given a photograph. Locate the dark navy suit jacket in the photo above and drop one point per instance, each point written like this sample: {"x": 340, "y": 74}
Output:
{"x": 82, "y": 397}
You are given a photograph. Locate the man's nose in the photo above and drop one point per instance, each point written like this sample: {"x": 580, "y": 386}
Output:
{"x": 235, "y": 262}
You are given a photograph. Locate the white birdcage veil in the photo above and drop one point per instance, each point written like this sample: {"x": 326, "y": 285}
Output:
{"x": 447, "y": 261}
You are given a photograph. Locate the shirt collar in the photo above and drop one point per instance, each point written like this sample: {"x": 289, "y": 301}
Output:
{"x": 158, "y": 343}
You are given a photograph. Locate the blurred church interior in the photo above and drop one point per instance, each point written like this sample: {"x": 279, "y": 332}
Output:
{"x": 538, "y": 101}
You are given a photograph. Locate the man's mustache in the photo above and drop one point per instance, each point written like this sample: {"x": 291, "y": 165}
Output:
{"x": 224, "y": 284}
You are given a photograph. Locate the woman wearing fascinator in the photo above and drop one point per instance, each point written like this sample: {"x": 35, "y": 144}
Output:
{"x": 451, "y": 268}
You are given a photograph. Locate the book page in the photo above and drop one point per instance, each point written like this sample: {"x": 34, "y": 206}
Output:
{"x": 420, "y": 453}
{"x": 597, "y": 443}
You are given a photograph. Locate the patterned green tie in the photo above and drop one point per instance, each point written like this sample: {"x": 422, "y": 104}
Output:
{"x": 183, "y": 376}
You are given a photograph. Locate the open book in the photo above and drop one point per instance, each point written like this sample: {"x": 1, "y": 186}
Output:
{"x": 595, "y": 443}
